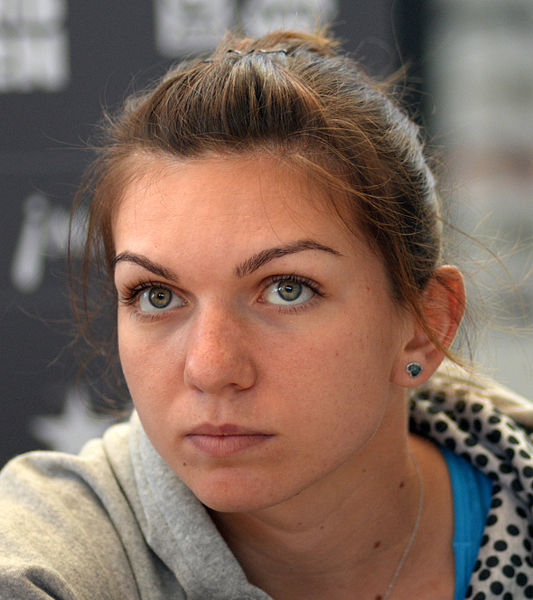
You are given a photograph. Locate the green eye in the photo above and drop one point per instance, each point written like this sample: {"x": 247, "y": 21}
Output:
{"x": 158, "y": 298}
{"x": 288, "y": 291}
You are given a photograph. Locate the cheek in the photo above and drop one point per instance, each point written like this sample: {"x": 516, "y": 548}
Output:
{"x": 147, "y": 360}
{"x": 152, "y": 382}
{"x": 351, "y": 355}
{"x": 343, "y": 370}
{"x": 332, "y": 382}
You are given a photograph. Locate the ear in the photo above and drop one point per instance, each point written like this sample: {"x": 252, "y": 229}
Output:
{"x": 443, "y": 305}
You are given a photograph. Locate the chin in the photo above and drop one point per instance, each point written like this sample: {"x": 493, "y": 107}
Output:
{"x": 236, "y": 494}
{"x": 233, "y": 504}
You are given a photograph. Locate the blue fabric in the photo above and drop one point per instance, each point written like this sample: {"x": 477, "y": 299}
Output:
{"x": 472, "y": 491}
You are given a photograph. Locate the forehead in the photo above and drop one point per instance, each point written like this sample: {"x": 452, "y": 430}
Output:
{"x": 237, "y": 200}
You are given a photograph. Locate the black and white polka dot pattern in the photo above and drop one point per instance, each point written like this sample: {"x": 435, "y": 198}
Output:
{"x": 462, "y": 413}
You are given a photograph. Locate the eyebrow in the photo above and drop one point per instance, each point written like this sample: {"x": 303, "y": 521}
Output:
{"x": 261, "y": 258}
{"x": 243, "y": 269}
{"x": 145, "y": 263}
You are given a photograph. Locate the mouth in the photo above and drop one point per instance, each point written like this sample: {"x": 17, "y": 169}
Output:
{"x": 225, "y": 440}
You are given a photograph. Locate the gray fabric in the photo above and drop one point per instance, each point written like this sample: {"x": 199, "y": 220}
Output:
{"x": 66, "y": 528}
{"x": 116, "y": 523}
{"x": 181, "y": 532}
{"x": 109, "y": 524}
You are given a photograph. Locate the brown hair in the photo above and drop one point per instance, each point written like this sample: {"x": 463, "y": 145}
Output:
{"x": 294, "y": 94}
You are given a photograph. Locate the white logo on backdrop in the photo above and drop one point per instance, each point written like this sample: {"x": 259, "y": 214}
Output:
{"x": 34, "y": 53}
{"x": 260, "y": 16}
{"x": 183, "y": 26}
{"x": 190, "y": 25}
{"x": 43, "y": 237}
{"x": 68, "y": 431}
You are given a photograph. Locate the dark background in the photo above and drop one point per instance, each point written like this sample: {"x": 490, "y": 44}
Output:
{"x": 110, "y": 48}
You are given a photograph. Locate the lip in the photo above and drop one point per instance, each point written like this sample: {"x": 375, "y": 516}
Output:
{"x": 225, "y": 440}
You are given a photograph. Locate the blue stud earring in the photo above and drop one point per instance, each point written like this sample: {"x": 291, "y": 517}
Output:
{"x": 414, "y": 369}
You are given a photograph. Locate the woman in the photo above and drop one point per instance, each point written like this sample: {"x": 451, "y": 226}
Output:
{"x": 271, "y": 228}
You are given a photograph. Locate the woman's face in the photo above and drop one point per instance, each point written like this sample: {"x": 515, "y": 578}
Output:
{"x": 257, "y": 336}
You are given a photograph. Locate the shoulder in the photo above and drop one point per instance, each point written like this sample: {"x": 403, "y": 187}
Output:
{"x": 61, "y": 523}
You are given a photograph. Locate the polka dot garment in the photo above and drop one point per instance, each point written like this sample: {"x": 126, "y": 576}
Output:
{"x": 478, "y": 419}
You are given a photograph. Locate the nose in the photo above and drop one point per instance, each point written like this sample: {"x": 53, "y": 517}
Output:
{"x": 217, "y": 358}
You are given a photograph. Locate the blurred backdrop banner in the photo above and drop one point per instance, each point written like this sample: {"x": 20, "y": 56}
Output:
{"x": 62, "y": 61}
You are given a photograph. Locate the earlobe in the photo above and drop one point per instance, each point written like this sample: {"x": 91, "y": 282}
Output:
{"x": 443, "y": 308}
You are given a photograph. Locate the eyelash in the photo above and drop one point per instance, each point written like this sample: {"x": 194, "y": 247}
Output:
{"x": 131, "y": 294}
